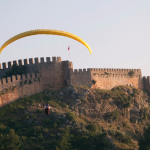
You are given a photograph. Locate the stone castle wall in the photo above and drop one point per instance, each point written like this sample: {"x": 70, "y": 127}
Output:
{"x": 16, "y": 88}
{"x": 81, "y": 77}
{"x": 109, "y": 78}
{"x": 51, "y": 74}
{"x": 31, "y": 67}
{"x": 108, "y": 82}
{"x": 125, "y": 72}
{"x": 55, "y": 74}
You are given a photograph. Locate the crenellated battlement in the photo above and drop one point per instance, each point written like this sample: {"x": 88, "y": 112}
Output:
{"x": 80, "y": 70}
{"x": 146, "y": 77}
{"x": 29, "y": 62}
{"x": 103, "y": 72}
{"x": 16, "y": 80}
{"x": 114, "y": 70}
{"x": 31, "y": 66}
{"x": 115, "y": 76}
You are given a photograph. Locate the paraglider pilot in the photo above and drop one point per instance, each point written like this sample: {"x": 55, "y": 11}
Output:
{"x": 47, "y": 109}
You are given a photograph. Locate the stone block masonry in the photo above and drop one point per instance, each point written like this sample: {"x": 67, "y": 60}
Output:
{"x": 81, "y": 77}
{"x": 20, "y": 87}
{"x": 109, "y": 78}
{"x": 39, "y": 77}
{"x": 55, "y": 74}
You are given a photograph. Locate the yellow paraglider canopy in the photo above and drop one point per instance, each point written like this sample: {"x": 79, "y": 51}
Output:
{"x": 45, "y": 31}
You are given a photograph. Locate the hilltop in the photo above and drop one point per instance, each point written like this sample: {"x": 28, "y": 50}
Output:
{"x": 80, "y": 118}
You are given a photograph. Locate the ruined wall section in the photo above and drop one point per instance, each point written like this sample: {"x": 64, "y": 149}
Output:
{"x": 17, "y": 87}
{"x": 81, "y": 77}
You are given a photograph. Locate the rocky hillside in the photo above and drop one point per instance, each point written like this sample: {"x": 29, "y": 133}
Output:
{"x": 80, "y": 118}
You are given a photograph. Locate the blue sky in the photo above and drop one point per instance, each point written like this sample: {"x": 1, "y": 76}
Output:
{"x": 118, "y": 31}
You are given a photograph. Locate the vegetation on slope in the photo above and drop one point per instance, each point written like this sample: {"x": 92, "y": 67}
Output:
{"x": 24, "y": 125}
{"x": 80, "y": 118}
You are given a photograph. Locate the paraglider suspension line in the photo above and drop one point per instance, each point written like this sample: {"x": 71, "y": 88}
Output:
{"x": 69, "y": 55}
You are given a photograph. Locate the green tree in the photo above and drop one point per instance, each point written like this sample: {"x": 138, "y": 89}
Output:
{"x": 144, "y": 143}
{"x": 10, "y": 141}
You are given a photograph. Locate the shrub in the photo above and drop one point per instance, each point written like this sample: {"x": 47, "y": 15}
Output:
{"x": 25, "y": 82}
{"x": 58, "y": 122}
{"x": 145, "y": 116}
{"x": 30, "y": 82}
{"x": 45, "y": 130}
{"x": 62, "y": 104}
{"x": 55, "y": 125}
{"x": 127, "y": 139}
{"x": 125, "y": 100}
{"x": 93, "y": 81}
{"x": 38, "y": 147}
{"x": 106, "y": 73}
{"x": 83, "y": 99}
{"x": 131, "y": 73}
{"x": 119, "y": 135}
{"x": 20, "y": 83}
{"x": 39, "y": 110}
{"x": 135, "y": 91}
{"x": 47, "y": 121}
{"x": 115, "y": 115}
{"x": 91, "y": 127}
{"x": 71, "y": 116}
{"x": 111, "y": 132}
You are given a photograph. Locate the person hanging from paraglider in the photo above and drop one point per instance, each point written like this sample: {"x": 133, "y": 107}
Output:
{"x": 69, "y": 52}
{"x": 47, "y": 109}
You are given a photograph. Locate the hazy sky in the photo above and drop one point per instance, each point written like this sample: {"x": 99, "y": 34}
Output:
{"x": 118, "y": 31}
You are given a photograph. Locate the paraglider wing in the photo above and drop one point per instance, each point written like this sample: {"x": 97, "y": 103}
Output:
{"x": 45, "y": 31}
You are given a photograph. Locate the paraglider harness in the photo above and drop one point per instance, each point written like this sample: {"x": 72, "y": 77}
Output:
{"x": 47, "y": 109}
